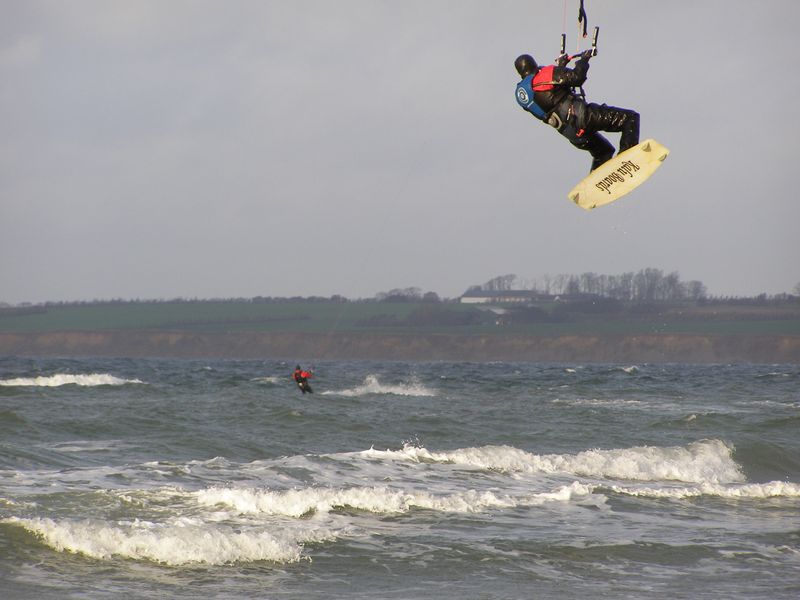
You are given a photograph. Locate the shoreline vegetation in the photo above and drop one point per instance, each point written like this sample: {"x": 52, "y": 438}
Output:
{"x": 580, "y": 328}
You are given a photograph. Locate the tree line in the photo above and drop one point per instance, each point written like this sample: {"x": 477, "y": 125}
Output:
{"x": 647, "y": 286}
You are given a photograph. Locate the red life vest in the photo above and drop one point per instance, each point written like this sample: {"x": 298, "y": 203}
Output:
{"x": 543, "y": 80}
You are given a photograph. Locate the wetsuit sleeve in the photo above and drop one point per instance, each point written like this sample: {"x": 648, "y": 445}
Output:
{"x": 572, "y": 77}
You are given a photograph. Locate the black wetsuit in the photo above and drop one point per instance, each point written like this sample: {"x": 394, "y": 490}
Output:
{"x": 578, "y": 120}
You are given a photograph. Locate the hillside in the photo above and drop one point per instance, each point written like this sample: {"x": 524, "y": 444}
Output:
{"x": 405, "y": 330}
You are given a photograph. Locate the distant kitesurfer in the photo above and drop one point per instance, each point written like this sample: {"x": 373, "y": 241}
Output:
{"x": 548, "y": 93}
{"x": 301, "y": 378}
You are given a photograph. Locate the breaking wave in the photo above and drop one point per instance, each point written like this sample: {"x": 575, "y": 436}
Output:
{"x": 59, "y": 379}
{"x": 182, "y": 541}
{"x": 708, "y": 461}
{"x": 375, "y": 499}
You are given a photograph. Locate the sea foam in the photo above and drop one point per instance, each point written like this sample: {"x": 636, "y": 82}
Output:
{"x": 272, "y": 380}
{"x": 772, "y": 489}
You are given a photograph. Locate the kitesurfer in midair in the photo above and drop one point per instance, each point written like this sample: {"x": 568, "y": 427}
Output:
{"x": 301, "y": 378}
{"x": 549, "y": 94}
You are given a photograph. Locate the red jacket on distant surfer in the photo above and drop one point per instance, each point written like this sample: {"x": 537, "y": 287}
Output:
{"x": 301, "y": 378}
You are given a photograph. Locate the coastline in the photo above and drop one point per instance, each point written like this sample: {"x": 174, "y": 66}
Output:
{"x": 650, "y": 348}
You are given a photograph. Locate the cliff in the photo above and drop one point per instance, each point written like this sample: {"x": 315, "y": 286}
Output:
{"x": 651, "y": 348}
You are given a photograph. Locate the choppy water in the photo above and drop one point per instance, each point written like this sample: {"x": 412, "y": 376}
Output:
{"x": 218, "y": 479}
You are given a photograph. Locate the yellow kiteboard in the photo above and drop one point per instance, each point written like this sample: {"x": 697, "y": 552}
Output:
{"x": 620, "y": 175}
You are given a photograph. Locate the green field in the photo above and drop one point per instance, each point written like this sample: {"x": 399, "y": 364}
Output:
{"x": 376, "y": 317}
{"x": 198, "y": 316}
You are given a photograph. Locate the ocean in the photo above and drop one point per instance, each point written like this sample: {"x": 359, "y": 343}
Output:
{"x": 134, "y": 478}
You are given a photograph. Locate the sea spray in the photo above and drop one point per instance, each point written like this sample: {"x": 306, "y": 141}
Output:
{"x": 373, "y": 386}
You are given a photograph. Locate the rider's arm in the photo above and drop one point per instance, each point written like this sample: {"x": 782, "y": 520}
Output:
{"x": 574, "y": 77}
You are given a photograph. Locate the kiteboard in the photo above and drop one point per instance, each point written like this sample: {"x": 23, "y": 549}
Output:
{"x": 619, "y": 176}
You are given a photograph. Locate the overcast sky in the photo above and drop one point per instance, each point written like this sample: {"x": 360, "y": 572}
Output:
{"x": 166, "y": 148}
